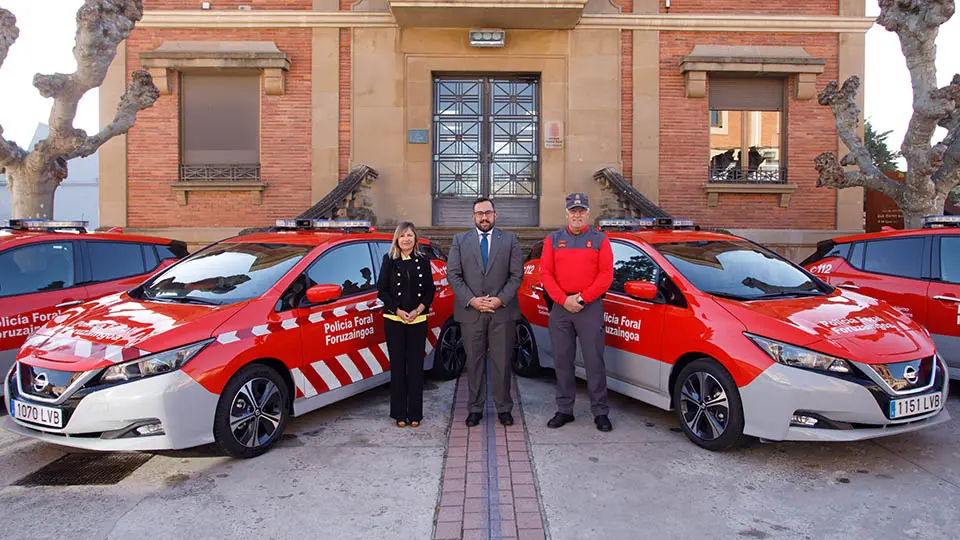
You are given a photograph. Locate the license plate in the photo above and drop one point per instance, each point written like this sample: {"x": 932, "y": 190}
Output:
{"x": 915, "y": 405}
{"x": 28, "y": 412}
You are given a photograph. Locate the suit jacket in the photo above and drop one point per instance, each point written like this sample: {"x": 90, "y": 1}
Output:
{"x": 502, "y": 278}
{"x": 398, "y": 289}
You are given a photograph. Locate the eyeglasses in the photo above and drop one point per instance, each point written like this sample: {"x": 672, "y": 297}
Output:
{"x": 488, "y": 213}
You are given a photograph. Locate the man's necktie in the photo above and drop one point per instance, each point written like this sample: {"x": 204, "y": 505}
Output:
{"x": 484, "y": 249}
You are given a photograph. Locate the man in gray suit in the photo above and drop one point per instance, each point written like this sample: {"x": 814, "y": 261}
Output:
{"x": 485, "y": 269}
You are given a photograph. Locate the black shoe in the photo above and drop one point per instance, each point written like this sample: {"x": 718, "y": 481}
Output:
{"x": 559, "y": 420}
{"x": 473, "y": 419}
{"x": 603, "y": 423}
{"x": 506, "y": 418}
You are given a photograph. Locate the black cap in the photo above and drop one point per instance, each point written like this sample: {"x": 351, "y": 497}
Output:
{"x": 577, "y": 199}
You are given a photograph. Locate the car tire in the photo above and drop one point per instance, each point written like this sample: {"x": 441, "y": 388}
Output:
{"x": 449, "y": 356}
{"x": 526, "y": 357}
{"x": 252, "y": 412}
{"x": 708, "y": 406}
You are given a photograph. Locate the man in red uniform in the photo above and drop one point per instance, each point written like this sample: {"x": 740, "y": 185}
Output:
{"x": 577, "y": 268}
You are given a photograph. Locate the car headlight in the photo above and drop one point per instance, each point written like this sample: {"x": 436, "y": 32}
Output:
{"x": 154, "y": 364}
{"x": 791, "y": 355}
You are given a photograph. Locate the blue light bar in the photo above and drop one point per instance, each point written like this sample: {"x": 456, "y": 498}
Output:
{"x": 45, "y": 224}
{"x": 323, "y": 224}
{"x": 936, "y": 222}
{"x": 645, "y": 223}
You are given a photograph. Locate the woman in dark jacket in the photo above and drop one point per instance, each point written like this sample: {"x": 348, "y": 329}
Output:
{"x": 406, "y": 289}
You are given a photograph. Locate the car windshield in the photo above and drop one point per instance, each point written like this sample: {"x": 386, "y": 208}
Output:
{"x": 739, "y": 270}
{"x": 224, "y": 274}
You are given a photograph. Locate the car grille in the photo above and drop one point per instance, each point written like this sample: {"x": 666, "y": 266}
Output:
{"x": 45, "y": 383}
{"x": 902, "y": 377}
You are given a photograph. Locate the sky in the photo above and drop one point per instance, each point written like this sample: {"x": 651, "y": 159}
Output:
{"x": 47, "y": 29}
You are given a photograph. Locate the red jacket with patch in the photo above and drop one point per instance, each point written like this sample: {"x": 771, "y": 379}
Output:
{"x": 576, "y": 263}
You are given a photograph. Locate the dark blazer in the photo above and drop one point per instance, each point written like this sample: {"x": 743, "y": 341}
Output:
{"x": 502, "y": 278}
{"x": 405, "y": 284}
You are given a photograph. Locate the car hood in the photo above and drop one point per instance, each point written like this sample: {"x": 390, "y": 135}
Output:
{"x": 842, "y": 324}
{"x": 118, "y": 328}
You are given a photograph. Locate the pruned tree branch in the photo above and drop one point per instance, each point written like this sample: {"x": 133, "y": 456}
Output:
{"x": 847, "y": 113}
{"x": 140, "y": 94}
{"x": 9, "y": 151}
{"x": 34, "y": 176}
{"x": 8, "y": 33}
{"x": 101, "y": 26}
{"x": 833, "y": 175}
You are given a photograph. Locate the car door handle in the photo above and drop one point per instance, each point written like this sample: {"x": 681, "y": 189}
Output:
{"x": 538, "y": 288}
{"x": 848, "y": 286}
{"x": 71, "y": 303}
{"x": 947, "y": 298}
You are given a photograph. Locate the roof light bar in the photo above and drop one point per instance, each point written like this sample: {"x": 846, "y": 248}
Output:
{"x": 45, "y": 225}
{"x": 323, "y": 224}
{"x": 936, "y": 222}
{"x": 645, "y": 223}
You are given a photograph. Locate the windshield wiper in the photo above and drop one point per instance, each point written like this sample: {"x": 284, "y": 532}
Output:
{"x": 727, "y": 295}
{"x": 183, "y": 300}
{"x": 788, "y": 293}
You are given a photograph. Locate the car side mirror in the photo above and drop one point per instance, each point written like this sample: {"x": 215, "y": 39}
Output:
{"x": 644, "y": 290}
{"x": 319, "y": 294}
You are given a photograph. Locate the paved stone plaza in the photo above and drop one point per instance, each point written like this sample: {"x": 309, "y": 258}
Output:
{"x": 347, "y": 472}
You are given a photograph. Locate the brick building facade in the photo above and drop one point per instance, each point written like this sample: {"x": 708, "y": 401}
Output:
{"x": 655, "y": 92}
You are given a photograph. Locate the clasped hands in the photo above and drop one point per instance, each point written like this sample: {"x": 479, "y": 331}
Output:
{"x": 485, "y": 304}
{"x": 571, "y": 304}
{"x": 408, "y": 316}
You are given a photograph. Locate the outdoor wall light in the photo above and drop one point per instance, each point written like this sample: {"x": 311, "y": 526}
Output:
{"x": 487, "y": 38}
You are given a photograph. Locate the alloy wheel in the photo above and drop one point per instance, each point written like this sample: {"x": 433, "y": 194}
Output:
{"x": 452, "y": 355}
{"x": 704, "y": 406}
{"x": 256, "y": 412}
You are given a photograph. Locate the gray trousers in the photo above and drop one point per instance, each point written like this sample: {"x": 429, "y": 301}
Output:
{"x": 495, "y": 337}
{"x": 565, "y": 328}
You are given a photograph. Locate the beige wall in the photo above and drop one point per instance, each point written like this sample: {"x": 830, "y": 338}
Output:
{"x": 113, "y": 154}
{"x": 404, "y": 187}
{"x": 325, "y": 111}
{"x": 593, "y": 132}
{"x": 852, "y": 51}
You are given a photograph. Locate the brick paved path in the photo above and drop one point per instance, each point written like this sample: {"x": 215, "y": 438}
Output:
{"x": 488, "y": 489}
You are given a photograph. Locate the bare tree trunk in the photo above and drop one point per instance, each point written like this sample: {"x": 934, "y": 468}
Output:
{"x": 932, "y": 170}
{"x": 31, "y": 197}
{"x": 34, "y": 176}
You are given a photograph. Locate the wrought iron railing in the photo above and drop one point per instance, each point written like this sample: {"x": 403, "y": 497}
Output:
{"x": 734, "y": 175}
{"x": 220, "y": 173}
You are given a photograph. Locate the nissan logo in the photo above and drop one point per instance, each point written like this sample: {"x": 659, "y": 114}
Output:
{"x": 40, "y": 382}
{"x": 910, "y": 374}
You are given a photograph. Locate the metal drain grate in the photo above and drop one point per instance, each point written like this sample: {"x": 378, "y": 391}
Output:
{"x": 85, "y": 470}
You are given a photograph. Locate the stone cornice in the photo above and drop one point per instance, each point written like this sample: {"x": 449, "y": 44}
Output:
{"x": 348, "y": 19}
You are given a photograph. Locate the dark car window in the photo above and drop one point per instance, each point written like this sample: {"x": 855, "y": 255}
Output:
{"x": 150, "y": 256}
{"x": 827, "y": 250}
{"x": 348, "y": 266}
{"x": 115, "y": 260}
{"x": 900, "y": 257}
{"x": 37, "y": 268}
{"x": 631, "y": 264}
{"x": 535, "y": 252}
{"x": 379, "y": 250}
{"x": 739, "y": 269}
{"x": 175, "y": 250}
{"x": 856, "y": 256}
{"x": 950, "y": 259}
{"x": 225, "y": 273}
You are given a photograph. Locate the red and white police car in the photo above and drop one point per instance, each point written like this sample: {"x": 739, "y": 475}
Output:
{"x": 46, "y": 266}
{"x": 223, "y": 346}
{"x": 916, "y": 271}
{"x": 740, "y": 341}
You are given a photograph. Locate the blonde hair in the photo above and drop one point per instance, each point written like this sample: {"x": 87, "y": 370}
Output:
{"x": 402, "y": 228}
